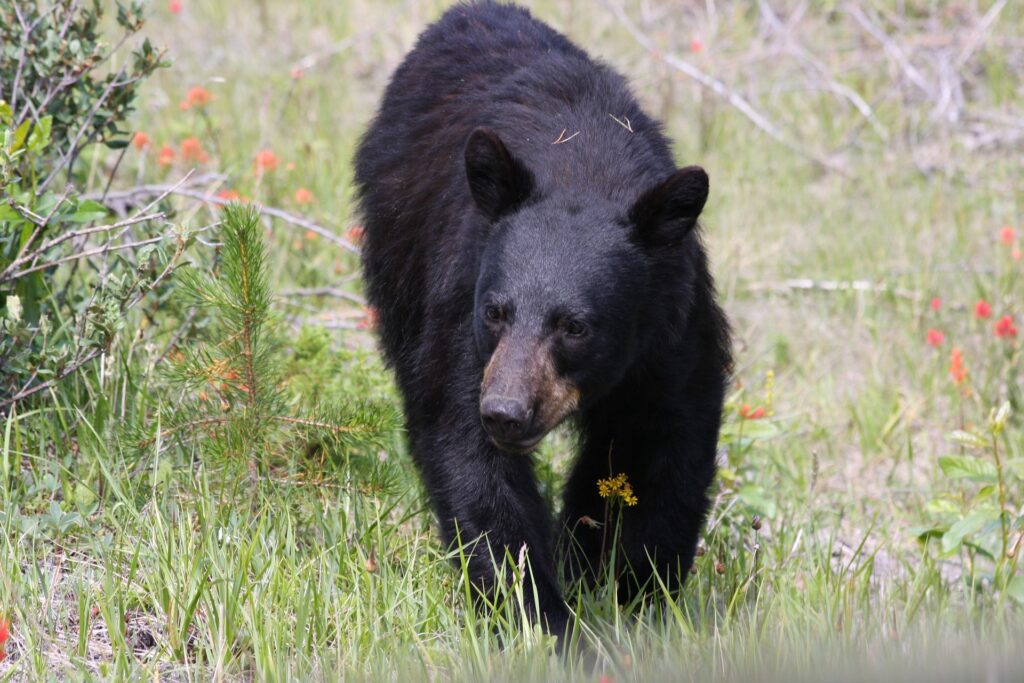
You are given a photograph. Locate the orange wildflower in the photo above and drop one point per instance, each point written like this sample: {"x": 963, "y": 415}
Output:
{"x": 141, "y": 141}
{"x": 196, "y": 96}
{"x": 303, "y": 196}
{"x": 311, "y": 235}
{"x": 165, "y": 156}
{"x": 296, "y": 73}
{"x": 957, "y": 369}
{"x": 747, "y": 413}
{"x": 229, "y": 195}
{"x": 266, "y": 160}
{"x": 192, "y": 150}
{"x": 1015, "y": 254}
{"x": 355, "y": 234}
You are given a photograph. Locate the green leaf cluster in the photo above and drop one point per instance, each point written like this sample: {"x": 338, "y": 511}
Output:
{"x": 229, "y": 390}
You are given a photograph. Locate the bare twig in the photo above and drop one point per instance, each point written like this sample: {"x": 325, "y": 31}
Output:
{"x": 332, "y": 292}
{"x": 85, "y": 254}
{"x": 126, "y": 305}
{"x": 148, "y": 190}
{"x": 722, "y": 90}
{"x": 70, "y": 154}
{"x": 807, "y": 284}
{"x": 978, "y": 35}
{"x": 9, "y": 274}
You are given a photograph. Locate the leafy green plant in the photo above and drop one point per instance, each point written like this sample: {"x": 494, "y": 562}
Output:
{"x": 229, "y": 390}
{"x": 979, "y": 517}
{"x": 66, "y": 283}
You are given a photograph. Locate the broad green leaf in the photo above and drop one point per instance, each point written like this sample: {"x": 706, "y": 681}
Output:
{"x": 1015, "y": 466}
{"x": 19, "y": 135}
{"x": 923, "y": 533}
{"x": 942, "y": 507}
{"x": 970, "y": 524}
{"x": 968, "y": 439}
{"x": 967, "y": 467}
{"x": 8, "y": 214}
{"x": 87, "y": 211}
{"x": 40, "y": 137}
{"x": 13, "y": 307}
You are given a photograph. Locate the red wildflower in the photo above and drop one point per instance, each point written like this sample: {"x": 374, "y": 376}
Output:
{"x": 982, "y": 309}
{"x": 935, "y": 337}
{"x": 696, "y": 45}
{"x": 747, "y": 413}
{"x": 166, "y": 156}
{"x": 266, "y": 161}
{"x": 1005, "y": 327}
{"x": 1007, "y": 235}
{"x": 957, "y": 370}
{"x": 229, "y": 195}
{"x": 1015, "y": 254}
{"x": 296, "y": 73}
{"x": 311, "y": 235}
{"x": 141, "y": 141}
{"x": 5, "y": 633}
{"x": 355, "y": 234}
{"x": 175, "y": 6}
{"x": 370, "y": 319}
{"x": 192, "y": 150}
{"x": 936, "y": 304}
{"x": 303, "y": 196}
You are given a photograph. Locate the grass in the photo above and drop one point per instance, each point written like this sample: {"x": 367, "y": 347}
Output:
{"x": 176, "y": 561}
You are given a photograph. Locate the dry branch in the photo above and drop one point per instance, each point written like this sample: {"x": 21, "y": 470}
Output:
{"x": 150, "y": 190}
{"x": 722, "y": 90}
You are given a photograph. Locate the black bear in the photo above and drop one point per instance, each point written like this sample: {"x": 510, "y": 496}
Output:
{"x": 533, "y": 254}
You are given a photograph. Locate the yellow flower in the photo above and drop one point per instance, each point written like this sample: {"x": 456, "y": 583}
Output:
{"x": 617, "y": 486}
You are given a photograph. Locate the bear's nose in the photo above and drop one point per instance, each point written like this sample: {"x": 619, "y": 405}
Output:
{"x": 505, "y": 419}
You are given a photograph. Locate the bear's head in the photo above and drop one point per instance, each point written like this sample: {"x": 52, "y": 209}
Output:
{"x": 564, "y": 286}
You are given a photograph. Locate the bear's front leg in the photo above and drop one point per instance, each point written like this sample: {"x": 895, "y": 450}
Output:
{"x": 668, "y": 457}
{"x": 487, "y": 501}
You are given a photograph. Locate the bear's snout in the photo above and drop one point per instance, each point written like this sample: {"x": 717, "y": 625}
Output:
{"x": 507, "y": 420}
{"x": 522, "y": 396}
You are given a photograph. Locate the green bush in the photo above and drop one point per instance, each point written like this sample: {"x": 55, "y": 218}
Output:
{"x": 66, "y": 281}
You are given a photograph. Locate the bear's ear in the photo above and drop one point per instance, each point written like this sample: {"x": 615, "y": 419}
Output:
{"x": 498, "y": 181}
{"x": 667, "y": 212}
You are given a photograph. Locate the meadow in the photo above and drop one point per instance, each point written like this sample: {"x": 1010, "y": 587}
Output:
{"x": 220, "y": 489}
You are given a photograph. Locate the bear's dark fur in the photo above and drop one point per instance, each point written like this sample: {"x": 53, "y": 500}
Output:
{"x": 534, "y": 256}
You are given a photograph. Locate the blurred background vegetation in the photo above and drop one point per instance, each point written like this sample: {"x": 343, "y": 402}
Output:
{"x": 203, "y": 468}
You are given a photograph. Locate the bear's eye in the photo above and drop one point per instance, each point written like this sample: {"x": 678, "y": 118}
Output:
{"x": 493, "y": 314}
{"x": 574, "y": 328}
